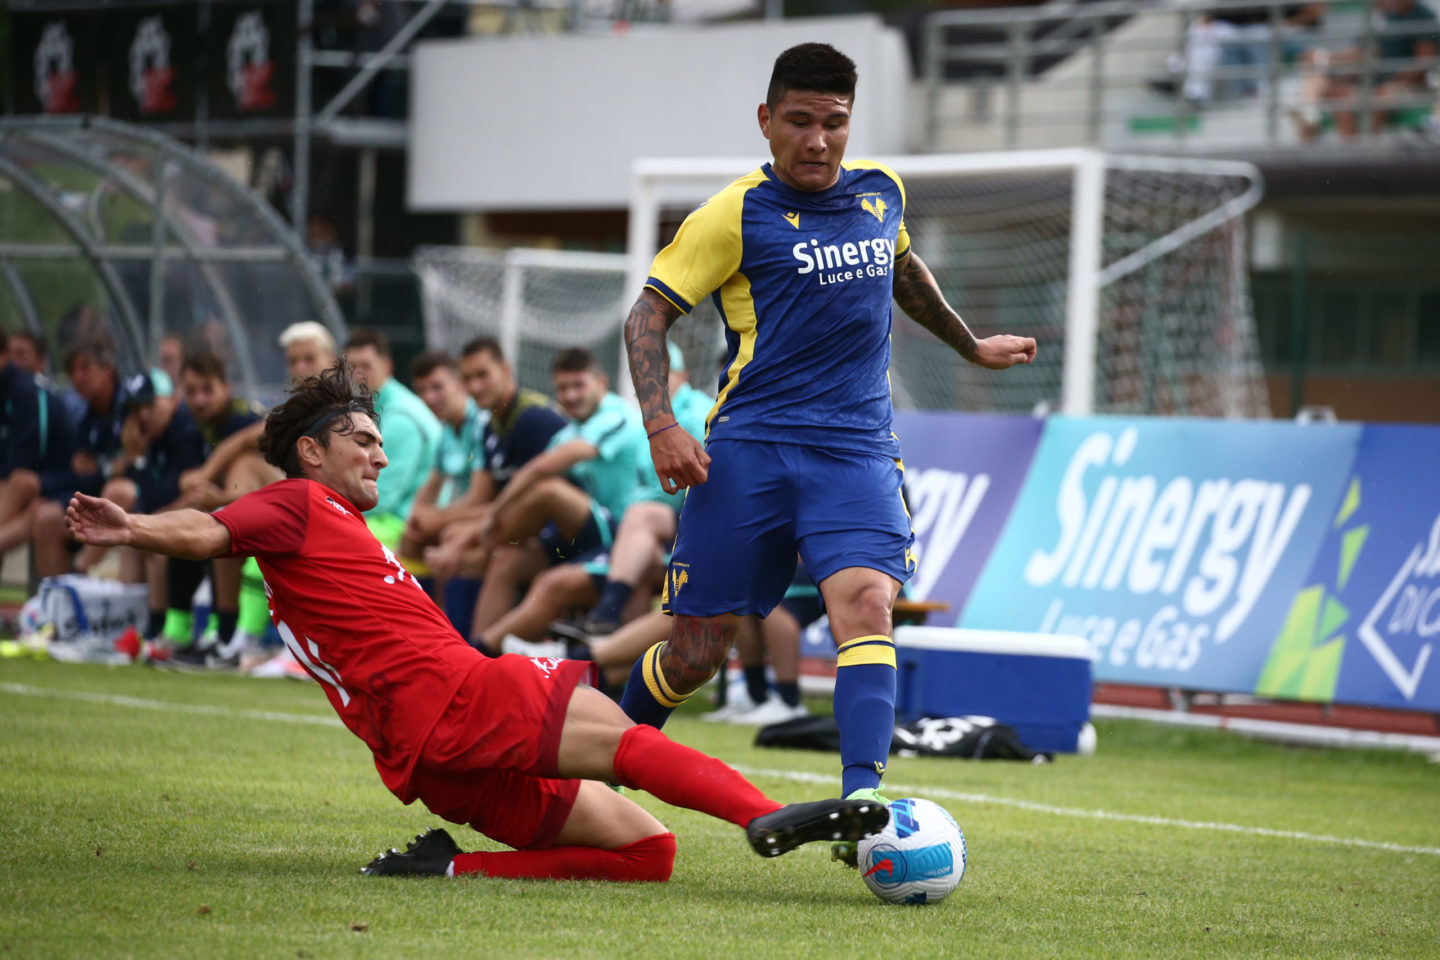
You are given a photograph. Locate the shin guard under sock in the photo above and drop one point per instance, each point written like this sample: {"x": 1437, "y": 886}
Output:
{"x": 864, "y": 710}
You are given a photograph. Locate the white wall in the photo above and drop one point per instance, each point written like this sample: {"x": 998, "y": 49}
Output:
{"x": 554, "y": 122}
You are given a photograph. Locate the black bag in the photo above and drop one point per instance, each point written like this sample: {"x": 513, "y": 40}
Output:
{"x": 975, "y": 738}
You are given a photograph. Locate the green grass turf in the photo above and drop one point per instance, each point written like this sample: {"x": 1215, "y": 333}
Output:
{"x": 127, "y": 831}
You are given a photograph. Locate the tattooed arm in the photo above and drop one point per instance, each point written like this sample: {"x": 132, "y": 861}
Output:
{"x": 645, "y": 330}
{"x": 679, "y": 459}
{"x": 919, "y": 296}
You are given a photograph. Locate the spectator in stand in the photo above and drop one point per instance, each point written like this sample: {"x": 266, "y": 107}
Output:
{"x": 412, "y": 434}
{"x": 1241, "y": 38}
{"x": 1405, "y": 51}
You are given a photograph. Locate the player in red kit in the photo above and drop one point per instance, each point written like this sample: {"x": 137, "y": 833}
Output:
{"x": 518, "y": 748}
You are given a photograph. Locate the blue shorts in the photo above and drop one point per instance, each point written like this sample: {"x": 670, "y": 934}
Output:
{"x": 741, "y": 529}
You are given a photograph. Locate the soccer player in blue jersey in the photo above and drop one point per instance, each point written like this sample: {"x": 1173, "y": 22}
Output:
{"x": 802, "y": 257}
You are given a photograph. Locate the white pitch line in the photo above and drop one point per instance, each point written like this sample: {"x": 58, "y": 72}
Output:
{"x": 169, "y": 707}
{"x": 796, "y": 776}
{"x": 899, "y": 789}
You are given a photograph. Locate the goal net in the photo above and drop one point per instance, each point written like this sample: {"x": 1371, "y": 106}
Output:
{"x": 536, "y": 303}
{"x": 1130, "y": 272}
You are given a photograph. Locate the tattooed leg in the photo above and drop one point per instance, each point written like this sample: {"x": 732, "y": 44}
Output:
{"x": 696, "y": 649}
{"x": 669, "y": 672}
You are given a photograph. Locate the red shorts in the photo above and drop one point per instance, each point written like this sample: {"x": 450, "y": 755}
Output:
{"x": 490, "y": 761}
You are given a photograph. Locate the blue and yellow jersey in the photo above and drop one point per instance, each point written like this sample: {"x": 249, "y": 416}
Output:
{"x": 622, "y": 458}
{"x": 803, "y": 283}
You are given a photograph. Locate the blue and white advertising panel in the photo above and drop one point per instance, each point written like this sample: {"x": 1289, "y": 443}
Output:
{"x": 963, "y": 473}
{"x": 1364, "y": 625}
{"x": 1174, "y": 546}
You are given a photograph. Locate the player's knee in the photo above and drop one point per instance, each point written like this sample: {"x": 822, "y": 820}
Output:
{"x": 871, "y": 608}
{"x": 652, "y": 859}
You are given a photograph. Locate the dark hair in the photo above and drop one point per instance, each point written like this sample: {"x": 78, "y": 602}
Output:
{"x": 98, "y": 350}
{"x": 35, "y": 340}
{"x": 483, "y": 345}
{"x": 813, "y": 67}
{"x": 317, "y": 407}
{"x": 428, "y": 362}
{"x": 367, "y": 337}
{"x": 574, "y": 360}
{"x": 206, "y": 364}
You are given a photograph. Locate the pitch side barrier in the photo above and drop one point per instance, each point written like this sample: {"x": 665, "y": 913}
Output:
{"x": 1285, "y": 560}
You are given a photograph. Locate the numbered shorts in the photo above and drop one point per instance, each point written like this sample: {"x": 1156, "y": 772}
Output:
{"x": 490, "y": 761}
{"x": 741, "y": 529}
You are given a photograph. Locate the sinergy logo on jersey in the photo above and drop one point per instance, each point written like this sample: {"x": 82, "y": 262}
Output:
{"x": 839, "y": 262}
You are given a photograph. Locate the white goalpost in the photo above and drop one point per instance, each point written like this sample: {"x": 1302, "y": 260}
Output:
{"x": 1130, "y": 271}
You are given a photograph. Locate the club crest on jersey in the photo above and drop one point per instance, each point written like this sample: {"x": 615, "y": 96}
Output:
{"x": 874, "y": 206}
{"x": 793, "y": 219}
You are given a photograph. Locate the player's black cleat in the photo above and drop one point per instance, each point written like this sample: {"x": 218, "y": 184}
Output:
{"x": 428, "y": 856}
{"x": 790, "y": 826}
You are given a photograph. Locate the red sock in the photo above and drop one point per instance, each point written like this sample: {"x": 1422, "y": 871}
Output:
{"x": 649, "y": 861}
{"x": 648, "y": 760}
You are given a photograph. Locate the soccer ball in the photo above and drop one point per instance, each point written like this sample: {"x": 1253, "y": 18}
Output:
{"x": 918, "y": 858}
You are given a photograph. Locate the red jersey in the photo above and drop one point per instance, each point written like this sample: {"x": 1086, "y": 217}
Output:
{"x": 384, "y": 654}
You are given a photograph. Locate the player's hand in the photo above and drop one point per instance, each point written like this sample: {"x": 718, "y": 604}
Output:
{"x": 680, "y": 461}
{"x": 98, "y": 521}
{"x": 1004, "y": 350}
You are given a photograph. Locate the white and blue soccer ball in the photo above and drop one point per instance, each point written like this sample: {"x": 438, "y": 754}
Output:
{"x": 918, "y": 858}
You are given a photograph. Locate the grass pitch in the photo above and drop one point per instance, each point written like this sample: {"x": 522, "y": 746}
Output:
{"x": 146, "y": 814}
